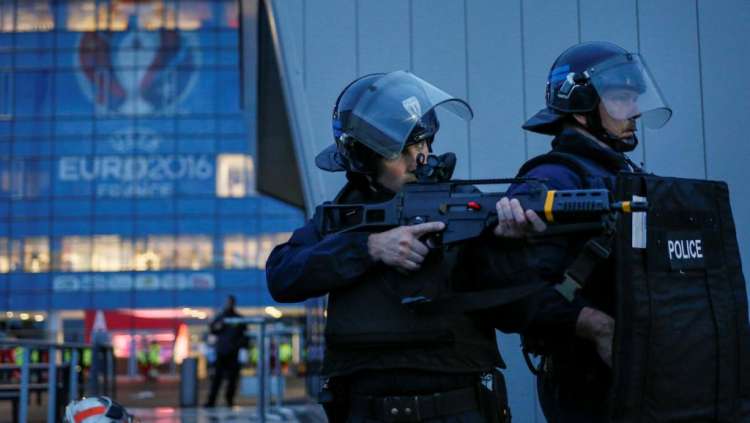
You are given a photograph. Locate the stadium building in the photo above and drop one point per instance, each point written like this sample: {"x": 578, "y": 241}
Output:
{"x": 127, "y": 169}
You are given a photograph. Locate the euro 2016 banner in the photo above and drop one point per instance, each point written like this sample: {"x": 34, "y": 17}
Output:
{"x": 152, "y": 98}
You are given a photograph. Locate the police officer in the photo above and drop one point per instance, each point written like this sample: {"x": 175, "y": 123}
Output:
{"x": 384, "y": 361}
{"x": 230, "y": 338}
{"x": 596, "y": 92}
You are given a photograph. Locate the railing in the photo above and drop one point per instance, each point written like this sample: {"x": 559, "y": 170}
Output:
{"x": 64, "y": 374}
{"x": 265, "y": 330}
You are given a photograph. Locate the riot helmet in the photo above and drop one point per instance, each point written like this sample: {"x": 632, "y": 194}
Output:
{"x": 378, "y": 115}
{"x": 588, "y": 74}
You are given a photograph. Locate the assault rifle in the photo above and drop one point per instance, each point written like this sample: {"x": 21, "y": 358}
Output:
{"x": 467, "y": 212}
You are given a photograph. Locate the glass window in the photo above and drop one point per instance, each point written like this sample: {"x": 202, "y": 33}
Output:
{"x": 75, "y": 255}
{"x": 151, "y": 16}
{"x": 111, "y": 254}
{"x": 194, "y": 252}
{"x": 7, "y": 10}
{"x": 34, "y": 15}
{"x": 236, "y": 254}
{"x": 235, "y": 175}
{"x": 4, "y": 255}
{"x": 154, "y": 253}
{"x": 230, "y": 15}
{"x": 194, "y": 14}
{"x": 266, "y": 244}
{"x": 81, "y": 15}
{"x": 15, "y": 255}
{"x": 87, "y": 15}
{"x": 36, "y": 256}
{"x": 242, "y": 251}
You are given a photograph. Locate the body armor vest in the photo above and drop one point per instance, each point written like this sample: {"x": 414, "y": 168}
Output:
{"x": 369, "y": 328}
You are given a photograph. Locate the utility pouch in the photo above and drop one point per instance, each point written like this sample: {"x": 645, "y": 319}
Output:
{"x": 493, "y": 397}
{"x": 334, "y": 399}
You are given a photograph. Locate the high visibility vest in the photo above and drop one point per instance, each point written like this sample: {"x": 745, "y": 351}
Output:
{"x": 254, "y": 354}
{"x": 285, "y": 353}
{"x": 154, "y": 354}
{"x": 86, "y": 358}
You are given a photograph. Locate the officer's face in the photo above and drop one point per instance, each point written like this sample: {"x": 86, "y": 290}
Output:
{"x": 393, "y": 174}
{"x": 619, "y": 110}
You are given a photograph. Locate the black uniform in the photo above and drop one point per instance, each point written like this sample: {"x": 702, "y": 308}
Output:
{"x": 230, "y": 338}
{"x": 574, "y": 384}
{"x": 375, "y": 346}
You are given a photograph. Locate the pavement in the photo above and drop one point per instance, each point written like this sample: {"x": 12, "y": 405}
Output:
{"x": 165, "y": 392}
{"x": 158, "y": 402}
{"x": 304, "y": 413}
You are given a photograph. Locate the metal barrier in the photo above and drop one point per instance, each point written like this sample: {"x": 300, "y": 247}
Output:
{"x": 64, "y": 374}
{"x": 266, "y": 330}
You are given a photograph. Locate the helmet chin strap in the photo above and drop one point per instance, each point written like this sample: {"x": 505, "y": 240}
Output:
{"x": 595, "y": 127}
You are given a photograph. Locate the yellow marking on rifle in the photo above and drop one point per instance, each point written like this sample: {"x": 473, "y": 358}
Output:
{"x": 626, "y": 206}
{"x": 548, "y": 206}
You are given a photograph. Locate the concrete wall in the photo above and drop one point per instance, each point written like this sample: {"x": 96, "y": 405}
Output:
{"x": 496, "y": 54}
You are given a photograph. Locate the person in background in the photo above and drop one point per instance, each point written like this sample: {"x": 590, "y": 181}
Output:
{"x": 230, "y": 338}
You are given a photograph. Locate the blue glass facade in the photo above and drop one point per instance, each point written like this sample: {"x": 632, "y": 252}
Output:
{"x": 126, "y": 168}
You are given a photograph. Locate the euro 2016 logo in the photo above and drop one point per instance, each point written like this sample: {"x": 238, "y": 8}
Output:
{"x": 138, "y": 72}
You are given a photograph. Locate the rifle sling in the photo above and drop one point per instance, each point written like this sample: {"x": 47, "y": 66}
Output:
{"x": 576, "y": 276}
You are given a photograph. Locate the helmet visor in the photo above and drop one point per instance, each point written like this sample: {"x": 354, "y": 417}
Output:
{"x": 393, "y": 106}
{"x": 628, "y": 91}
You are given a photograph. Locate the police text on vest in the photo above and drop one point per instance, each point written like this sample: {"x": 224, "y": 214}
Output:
{"x": 684, "y": 249}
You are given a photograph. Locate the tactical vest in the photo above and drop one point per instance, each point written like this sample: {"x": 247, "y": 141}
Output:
{"x": 578, "y": 370}
{"x": 369, "y": 328}
{"x": 592, "y": 174}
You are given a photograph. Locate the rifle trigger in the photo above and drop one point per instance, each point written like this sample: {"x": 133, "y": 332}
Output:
{"x": 443, "y": 209}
